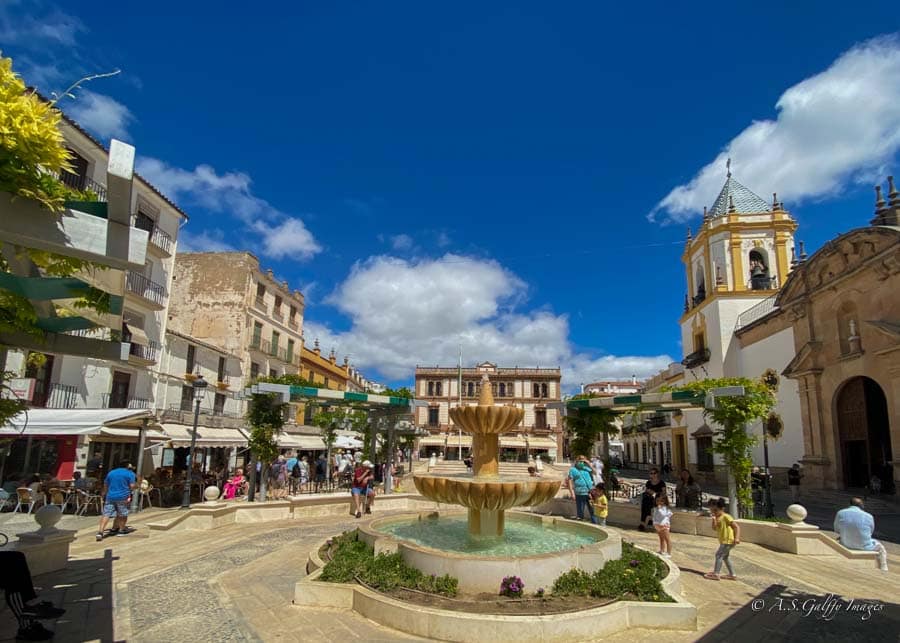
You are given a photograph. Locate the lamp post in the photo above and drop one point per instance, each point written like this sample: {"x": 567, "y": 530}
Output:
{"x": 199, "y": 385}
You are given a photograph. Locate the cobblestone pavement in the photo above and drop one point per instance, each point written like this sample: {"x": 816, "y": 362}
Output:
{"x": 236, "y": 584}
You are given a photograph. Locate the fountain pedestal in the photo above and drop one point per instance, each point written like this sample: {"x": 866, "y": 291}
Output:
{"x": 485, "y": 493}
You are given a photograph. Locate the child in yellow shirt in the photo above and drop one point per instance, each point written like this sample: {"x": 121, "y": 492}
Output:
{"x": 729, "y": 533}
{"x": 600, "y": 503}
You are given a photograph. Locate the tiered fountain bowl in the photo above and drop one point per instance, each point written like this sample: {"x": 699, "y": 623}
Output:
{"x": 484, "y": 493}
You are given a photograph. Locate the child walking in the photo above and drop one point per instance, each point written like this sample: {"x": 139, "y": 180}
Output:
{"x": 600, "y": 502}
{"x": 729, "y": 533}
{"x": 662, "y": 521}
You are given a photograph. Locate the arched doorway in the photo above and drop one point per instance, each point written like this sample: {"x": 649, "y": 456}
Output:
{"x": 863, "y": 433}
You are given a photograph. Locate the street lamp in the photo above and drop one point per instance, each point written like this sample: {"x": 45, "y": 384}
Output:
{"x": 199, "y": 385}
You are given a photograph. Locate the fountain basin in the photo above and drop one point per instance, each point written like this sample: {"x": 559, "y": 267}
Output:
{"x": 487, "y": 494}
{"x": 478, "y": 572}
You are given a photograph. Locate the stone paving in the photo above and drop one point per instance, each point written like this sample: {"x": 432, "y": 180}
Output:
{"x": 236, "y": 584}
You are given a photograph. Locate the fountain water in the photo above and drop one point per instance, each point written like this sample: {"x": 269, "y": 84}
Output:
{"x": 486, "y": 495}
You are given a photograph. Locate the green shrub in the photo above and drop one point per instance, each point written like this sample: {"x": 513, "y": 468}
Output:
{"x": 354, "y": 559}
{"x": 634, "y": 576}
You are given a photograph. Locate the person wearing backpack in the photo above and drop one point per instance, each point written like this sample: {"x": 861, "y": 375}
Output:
{"x": 293, "y": 469}
{"x": 359, "y": 486}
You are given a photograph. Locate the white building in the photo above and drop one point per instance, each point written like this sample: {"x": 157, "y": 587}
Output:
{"x": 737, "y": 262}
{"x": 70, "y": 382}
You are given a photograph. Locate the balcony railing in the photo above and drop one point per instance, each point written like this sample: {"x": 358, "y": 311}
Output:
{"x": 261, "y": 345}
{"x": 144, "y": 287}
{"x": 696, "y": 358}
{"x": 277, "y": 315}
{"x": 117, "y": 402}
{"x": 83, "y": 183}
{"x": 161, "y": 240}
{"x": 293, "y": 324}
{"x": 61, "y": 396}
{"x": 755, "y": 313}
{"x": 147, "y": 353}
{"x": 260, "y": 303}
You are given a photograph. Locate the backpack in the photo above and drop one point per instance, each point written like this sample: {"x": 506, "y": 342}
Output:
{"x": 296, "y": 471}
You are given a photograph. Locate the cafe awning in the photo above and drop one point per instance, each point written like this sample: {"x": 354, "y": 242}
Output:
{"x": 151, "y": 434}
{"x": 432, "y": 441}
{"x": 73, "y": 421}
{"x": 305, "y": 442}
{"x": 453, "y": 441}
{"x": 180, "y": 436}
{"x": 542, "y": 443}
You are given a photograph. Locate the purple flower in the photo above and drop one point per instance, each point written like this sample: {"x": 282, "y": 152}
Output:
{"x": 634, "y": 563}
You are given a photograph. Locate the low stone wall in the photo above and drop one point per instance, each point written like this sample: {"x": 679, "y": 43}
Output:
{"x": 213, "y": 515}
{"x": 449, "y": 625}
{"x": 797, "y": 538}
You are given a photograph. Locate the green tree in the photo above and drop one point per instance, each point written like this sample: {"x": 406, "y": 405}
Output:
{"x": 731, "y": 439}
{"x": 266, "y": 418}
{"x": 399, "y": 392}
{"x": 334, "y": 418}
{"x": 587, "y": 426}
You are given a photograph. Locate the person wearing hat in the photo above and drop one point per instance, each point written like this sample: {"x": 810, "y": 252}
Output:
{"x": 359, "y": 487}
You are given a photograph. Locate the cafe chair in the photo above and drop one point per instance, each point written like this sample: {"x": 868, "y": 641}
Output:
{"x": 6, "y": 499}
{"x": 85, "y": 500}
{"x": 145, "y": 493}
{"x": 59, "y": 498}
{"x": 28, "y": 498}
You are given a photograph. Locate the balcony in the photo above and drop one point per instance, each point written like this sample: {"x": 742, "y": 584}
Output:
{"x": 146, "y": 354}
{"x": 293, "y": 324}
{"x": 109, "y": 401}
{"x": 696, "y": 358}
{"x": 261, "y": 345}
{"x": 277, "y": 315}
{"x": 59, "y": 396}
{"x": 260, "y": 303}
{"x": 699, "y": 297}
{"x": 150, "y": 291}
{"x": 208, "y": 417}
{"x": 83, "y": 183}
{"x": 162, "y": 241}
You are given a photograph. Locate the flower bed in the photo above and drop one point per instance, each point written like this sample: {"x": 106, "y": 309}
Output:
{"x": 635, "y": 576}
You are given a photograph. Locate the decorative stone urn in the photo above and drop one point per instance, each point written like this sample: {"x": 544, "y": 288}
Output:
{"x": 796, "y": 513}
{"x": 484, "y": 492}
{"x": 211, "y": 493}
{"x": 47, "y": 517}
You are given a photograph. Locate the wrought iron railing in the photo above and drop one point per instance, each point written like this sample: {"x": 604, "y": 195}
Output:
{"x": 83, "y": 183}
{"x": 61, "y": 396}
{"x": 146, "y": 288}
{"x": 161, "y": 240}
{"x": 260, "y": 303}
{"x": 110, "y": 401}
{"x": 147, "y": 353}
{"x": 756, "y": 313}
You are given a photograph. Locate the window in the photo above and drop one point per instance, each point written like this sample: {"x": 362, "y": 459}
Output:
{"x": 293, "y": 315}
{"x": 434, "y": 416}
{"x": 430, "y": 389}
{"x": 704, "y": 453}
{"x": 668, "y": 451}
{"x": 277, "y": 307}
{"x": 325, "y": 383}
{"x": 220, "y": 372}
{"x": 273, "y": 372}
{"x": 438, "y": 388}
{"x": 219, "y": 404}
{"x": 759, "y": 270}
{"x": 699, "y": 342}
{"x": 144, "y": 222}
{"x": 133, "y": 319}
{"x": 540, "y": 418}
{"x": 254, "y": 370}
{"x": 510, "y": 391}
{"x": 535, "y": 390}
{"x": 276, "y": 338}
{"x": 544, "y": 390}
{"x": 260, "y": 291}
{"x": 643, "y": 452}
{"x": 502, "y": 389}
{"x": 187, "y": 396}
{"x": 470, "y": 389}
{"x": 191, "y": 358}
{"x": 290, "y": 350}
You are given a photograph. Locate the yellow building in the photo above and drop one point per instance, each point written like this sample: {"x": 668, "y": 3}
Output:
{"x": 325, "y": 372}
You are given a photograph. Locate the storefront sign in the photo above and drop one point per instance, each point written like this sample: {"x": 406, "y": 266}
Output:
{"x": 21, "y": 387}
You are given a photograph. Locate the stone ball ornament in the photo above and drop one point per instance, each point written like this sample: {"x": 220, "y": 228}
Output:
{"x": 797, "y": 513}
{"x": 211, "y": 493}
{"x": 47, "y": 517}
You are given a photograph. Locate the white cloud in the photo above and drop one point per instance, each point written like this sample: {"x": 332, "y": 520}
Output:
{"x": 401, "y": 242}
{"x": 36, "y": 33}
{"x": 45, "y": 77}
{"x": 229, "y": 193}
{"x": 288, "y": 238}
{"x": 100, "y": 114}
{"x": 211, "y": 240}
{"x": 405, "y": 313}
{"x": 839, "y": 126}
{"x": 443, "y": 239}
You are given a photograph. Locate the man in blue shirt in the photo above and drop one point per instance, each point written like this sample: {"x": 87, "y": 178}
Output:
{"x": 855, "y": 527}
{"x": 289, "y": 466}
{"x": 580, "y": 482}
{"x": 117, "y": 488}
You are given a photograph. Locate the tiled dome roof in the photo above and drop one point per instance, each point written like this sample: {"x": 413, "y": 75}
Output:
{"x": 745, "y": 201}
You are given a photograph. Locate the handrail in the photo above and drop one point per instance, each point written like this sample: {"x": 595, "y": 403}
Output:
{"x": 756, "y": 312}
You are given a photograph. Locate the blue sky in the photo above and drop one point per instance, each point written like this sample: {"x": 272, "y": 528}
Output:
{"x": 515, "y": 179}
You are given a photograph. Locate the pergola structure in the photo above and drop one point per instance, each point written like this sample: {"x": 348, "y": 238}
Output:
{"x": 651, "y": 402}
{"x": 386, "y": 413}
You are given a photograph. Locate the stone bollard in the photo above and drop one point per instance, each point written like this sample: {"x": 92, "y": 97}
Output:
{"x": 797, "y": 515}
{"x": 46, "y": 549}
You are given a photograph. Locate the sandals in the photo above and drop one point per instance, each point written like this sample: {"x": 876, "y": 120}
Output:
{"x": 711, "y": 576}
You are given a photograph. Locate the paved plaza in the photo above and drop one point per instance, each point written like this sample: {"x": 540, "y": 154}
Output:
{"x": 236, "y": 584}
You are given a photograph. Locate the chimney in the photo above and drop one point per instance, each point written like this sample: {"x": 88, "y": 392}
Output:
{"x": 634, "y": 379}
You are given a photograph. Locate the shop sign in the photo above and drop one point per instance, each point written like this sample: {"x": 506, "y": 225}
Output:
{"x": 20, "y": 387}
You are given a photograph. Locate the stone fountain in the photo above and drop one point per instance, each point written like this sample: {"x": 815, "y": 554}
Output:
{"x": 484, "y": 493}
